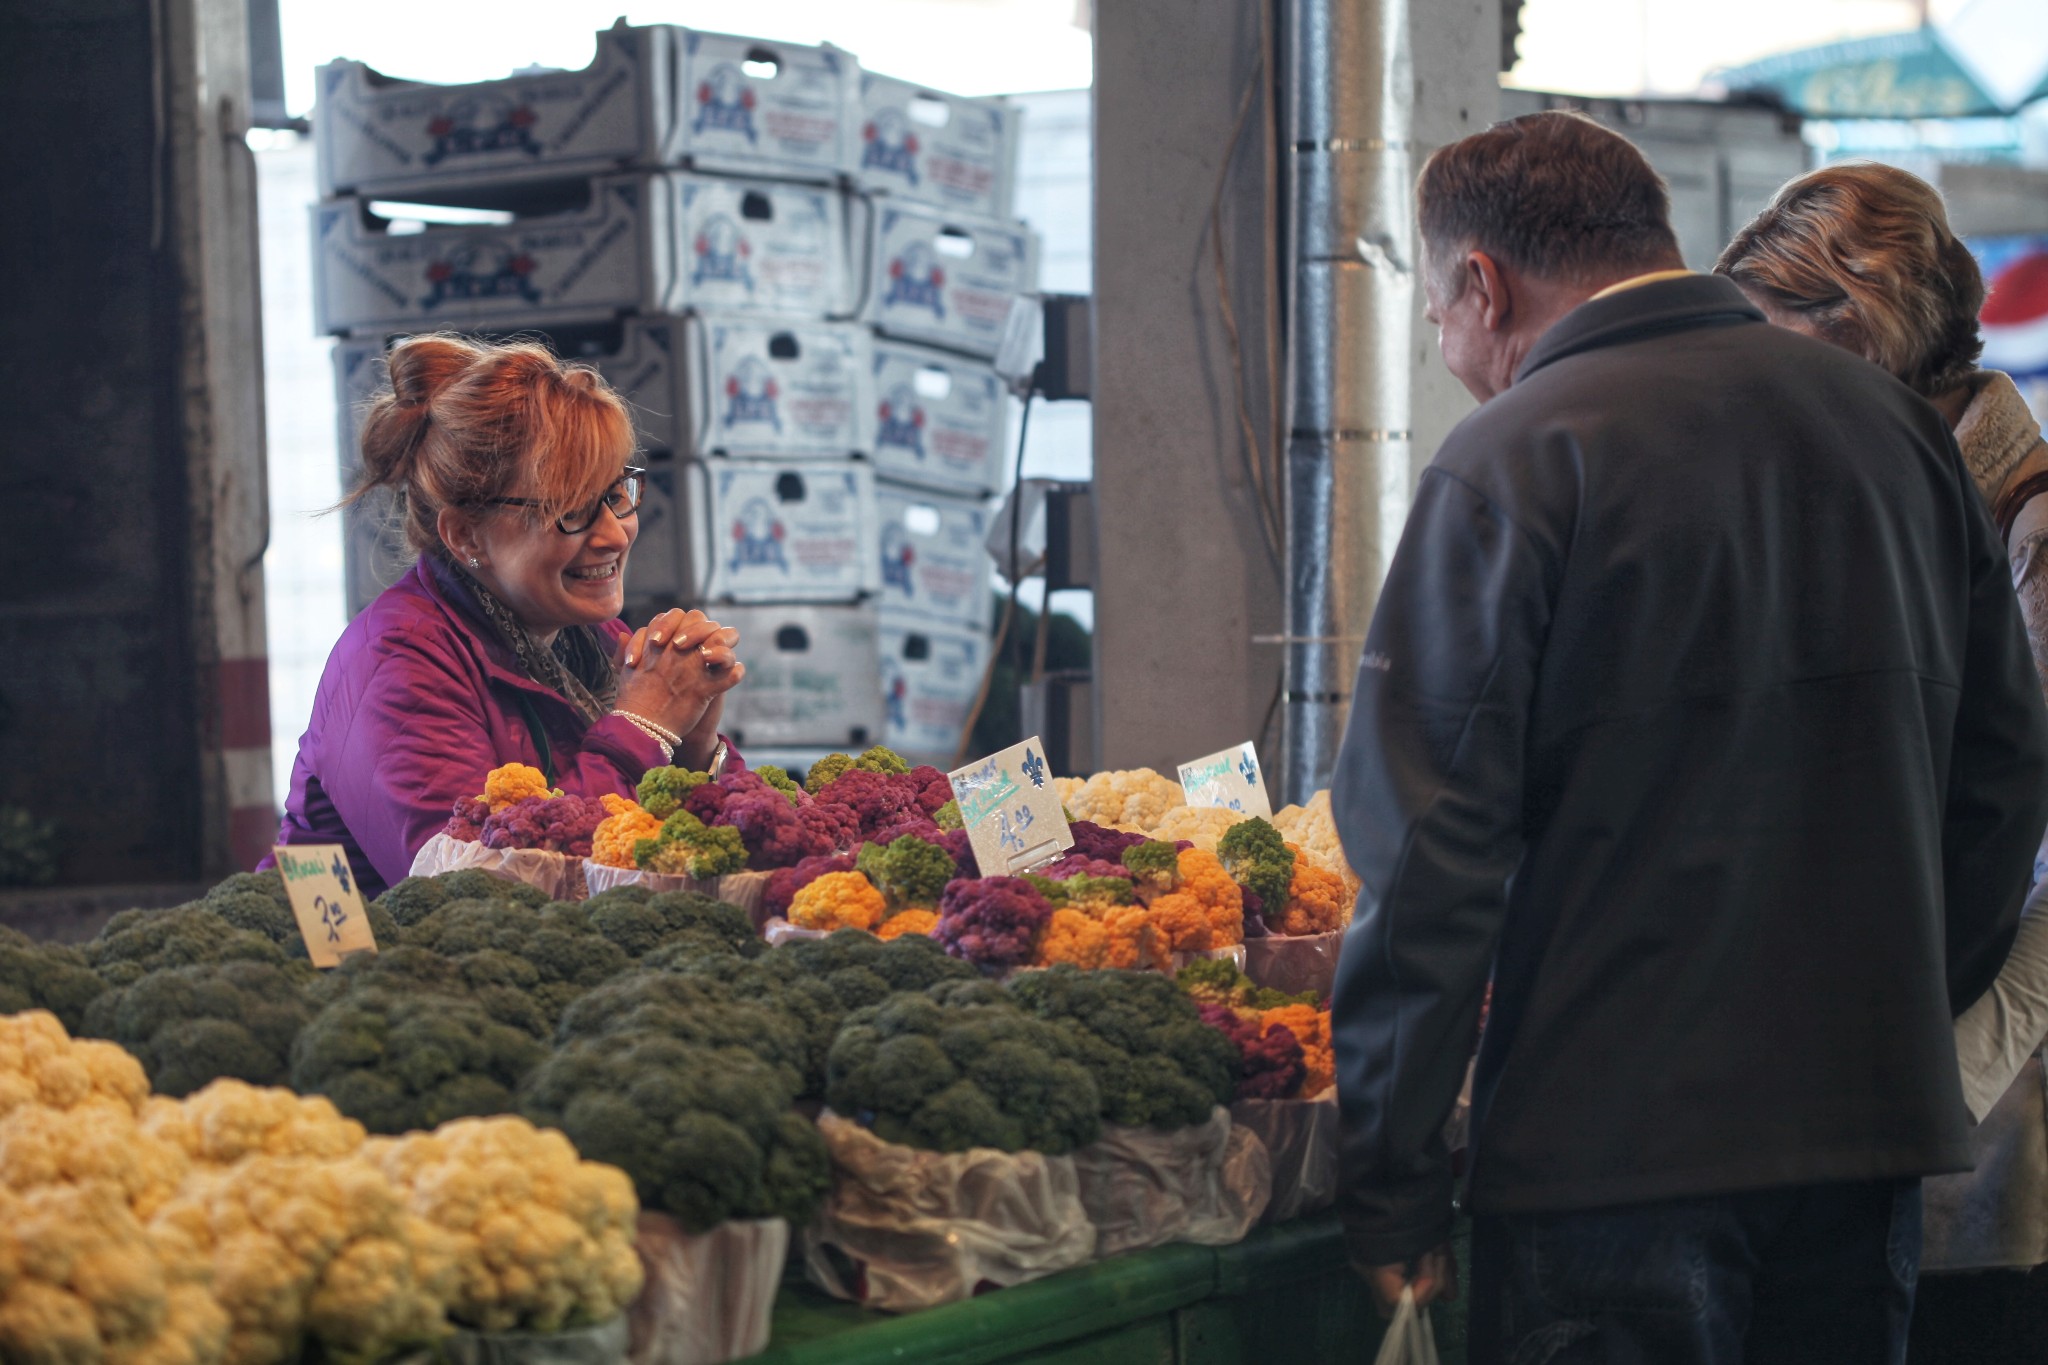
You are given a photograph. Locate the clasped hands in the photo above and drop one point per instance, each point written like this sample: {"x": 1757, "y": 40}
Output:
{"x": 675, "y": 671}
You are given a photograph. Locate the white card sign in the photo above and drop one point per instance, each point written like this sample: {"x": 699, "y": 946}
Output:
{"x": 326, "y": 901}
{"x": 1011, "y": 810}
{"x": 1231, "y": 780}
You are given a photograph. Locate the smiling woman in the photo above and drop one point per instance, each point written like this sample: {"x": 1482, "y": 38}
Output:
{"x": 503, "y": 644}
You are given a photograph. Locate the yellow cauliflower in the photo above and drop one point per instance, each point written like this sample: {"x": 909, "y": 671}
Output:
{"x": 1077, "y": 937}
{"x": 92, "y": 1144}
{"x": 543, "y": 1239}
{"x": 304, "y": 1247}
{"x": 908, "y": 922}
{"x": 1134, "y": 799}
{"x": 838, "y": 900}
{"x": 513, "y": 783}
{"x": 1315, "y": 830}
{"x": 83, "y": 1283}
{"x": 611, "y": 844}
{"x": 42, "y": 1064}
{"x": 228, "y": 1120}
{"x": 1202, "y": 826}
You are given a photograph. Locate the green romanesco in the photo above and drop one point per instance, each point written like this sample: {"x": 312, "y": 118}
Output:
{"x": 909, "y": 872}
{"x": 1154, "y": 862}
{"x": 780, "y": 779}
{"x": 948, "y": 816}
{"x": 1258, "y": 859}
{"x": 687, "y": 847}
{"x": 662, "y": 790}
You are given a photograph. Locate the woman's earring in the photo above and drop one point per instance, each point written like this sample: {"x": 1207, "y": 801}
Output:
{"x": 475, "y": 563}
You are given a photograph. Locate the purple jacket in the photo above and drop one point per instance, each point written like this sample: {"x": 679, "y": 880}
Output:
{"x": 419, "y": 701}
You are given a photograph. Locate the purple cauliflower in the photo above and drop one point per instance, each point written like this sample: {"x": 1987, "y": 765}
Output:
{"x": 467, "y": 821}
{"x": 1094, "y": 841}
{"x": 993, "y": 923}
{"x": 558, "y": 824}
{"x": 916, "y": 826}
{"x": 1075, "y": 863}
{"x": 785, "y": 882}
{"x": 880, "y": 800}
{"x": 1272, "y": 1063}
{"x": 956, "y": 842}
{"x": 768, "y": 826}
{"x": 933, "y": 787}
{"x": 828, "y": 828}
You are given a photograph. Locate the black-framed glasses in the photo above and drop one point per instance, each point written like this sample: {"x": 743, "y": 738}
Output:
{"x": 623, "y": 497}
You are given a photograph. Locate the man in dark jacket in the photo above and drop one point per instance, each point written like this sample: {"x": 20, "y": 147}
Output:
{"x": 1698, "y": 715}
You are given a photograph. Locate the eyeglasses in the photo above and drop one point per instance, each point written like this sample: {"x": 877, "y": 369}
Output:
{"x": 623, "y": 497}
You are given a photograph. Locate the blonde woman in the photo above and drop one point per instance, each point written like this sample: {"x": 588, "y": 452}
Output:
{"x": 1863, "y": 256}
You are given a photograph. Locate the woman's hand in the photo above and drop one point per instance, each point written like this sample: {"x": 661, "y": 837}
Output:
{"x": 675, "y": 671}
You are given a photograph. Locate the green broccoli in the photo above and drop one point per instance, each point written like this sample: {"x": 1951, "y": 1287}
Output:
{"x": 706, "y": 1134}
{"x": 46, "y": 976}
{"x": 686, "y": 846}
{"x": 824, "y": 770}
{"x": 662, "y": 790}
{"x": 640, "y": 921}
{"x": 911, "y": 963}
{"x": 699, "y": 1010}
{"x": 397, "y": 1061}
{"x": 780, "y": 779}
{"x": 1157, "y": 1063}
{"x": 1258, "y": 859}
{"x": 137, "y": 942}
{"x": 952, "y": 1077}
{"x": 506, "y": 986}
{"x": 191, "y": 1025}
{"x": 948, "y": 816}
{"x": 257, "y": 901}
{"x": 909, "y": 872}
{"x": 807, "y": 1001}
{"x": 558, "y": 942}
{"x": 412, "y": 899}
{"x": 1154, "y": 861}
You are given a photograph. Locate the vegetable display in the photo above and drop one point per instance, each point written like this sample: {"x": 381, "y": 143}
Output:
{"x": 397, "y": 1061}
{"x": 992, "y": 922}
{"x": 191, "y": 1025}
{"x": 1156, "y": 1064}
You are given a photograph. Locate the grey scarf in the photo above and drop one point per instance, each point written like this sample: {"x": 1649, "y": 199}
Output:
{"x": 576, "y": 665}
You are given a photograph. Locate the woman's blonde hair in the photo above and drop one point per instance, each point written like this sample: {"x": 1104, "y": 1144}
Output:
{"x": 1864, "y": 253}
{"x": 466, "y": 421}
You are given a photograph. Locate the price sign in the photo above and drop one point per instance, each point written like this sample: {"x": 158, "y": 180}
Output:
{"x": 1011, "y": 810}
{"x": 1231, "y": 780}
{"x": 326, "y": 901}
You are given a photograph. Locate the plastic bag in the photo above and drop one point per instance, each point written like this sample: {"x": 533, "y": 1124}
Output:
{"x": 1410, "y": 1340}
{"x": 1234, "y": 955}
{"x": 1296, "y": 963}
{"x": 709, "y": 1295}
{"x": 1301, "y": 1141}
{"x": 779, "y": 930}
{"x": 1143, "y": 1187}
{"x": 603, "y": 1344}
{"x": 743, "y": 889}
{"x": 557, "y": 874}
{"x": 905, "y": 1229}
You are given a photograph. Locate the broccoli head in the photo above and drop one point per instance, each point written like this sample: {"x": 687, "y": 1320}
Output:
{"x": 46, "y": 976}
{"x": 706, "y": 1134}
{"x": 908, "y": 872}
{"x": 399, "y": 1061}
{"x": 137, "y": 942}
{"x": 912, "y": 963}
{"x": 258, "y": 902}
{"x": 640, "y": 921}
{"x": 412, "y": 899}
{"x": 191, "y": 1025}
{"x": 1157, "y": 1063}
{"x": 700, "y": 1010}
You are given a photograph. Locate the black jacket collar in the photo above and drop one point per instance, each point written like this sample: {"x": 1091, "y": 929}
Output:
{"x": 1646, "y": 310}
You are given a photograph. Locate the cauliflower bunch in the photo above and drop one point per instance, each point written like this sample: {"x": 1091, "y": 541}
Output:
{"x": 995, "y": 923}
{"x": 838, "y": 900}
{"x": 229, "y": 1120}
{"x": 556, "y": 824}
{"x": 543, "y": 1240}
{"x": 1284, "y": 891}
{"x": 93, "y": 1144}
{"x": 1270, "y": 1060}
{"x": 1311, "y": 1028}
{"x": 1314, "y": 829}
{"x": 1134, "y": 799}
{"x": 1202, "y": 827}
{"x": 41, "y": 1064}
{"x": 82, "y": 1280}
{"x": 306, "y": 1247}
{"x": 624, "y": 826}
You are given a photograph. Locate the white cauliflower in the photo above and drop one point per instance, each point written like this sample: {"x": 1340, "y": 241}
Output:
{"x": 229, "y": 1119}
{"x": 543, "y": 1239}
{"x": 1133, "y": 799}
{"x": 42, "y": 1064}
{"x": 1202, "y": 826}
{"x": 1315, "y": 830}
{"x": 92, "y": 1144}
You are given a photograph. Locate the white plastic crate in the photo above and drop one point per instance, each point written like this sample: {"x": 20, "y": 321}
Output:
{"x": 929, "y": 681}
{"x": 752, "y": 106}
{"x": 946, "y": 279}
{"x": 377, "y": 135}
{"x": 810, "y": 678}
{"x": 949, "y": 151}
{"x": 932, "y": 560}
{"x": 612, "y": 254}
{"x": 775, "y": 389}
{"x": 938, "y": 420}
{"x": 758, "y": 248}
{"x": 771, "y": 532}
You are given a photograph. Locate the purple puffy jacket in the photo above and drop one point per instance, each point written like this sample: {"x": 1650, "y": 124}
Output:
{"x": 419, "y": 701}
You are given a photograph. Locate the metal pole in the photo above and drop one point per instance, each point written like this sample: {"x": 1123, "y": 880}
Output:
{"x": 1350, "y": 102}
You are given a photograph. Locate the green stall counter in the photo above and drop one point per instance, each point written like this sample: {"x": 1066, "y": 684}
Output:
{"x": 1282, "y": 1294}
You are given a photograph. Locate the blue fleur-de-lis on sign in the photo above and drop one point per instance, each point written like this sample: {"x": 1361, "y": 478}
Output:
{"x": 340, "y": 871}
{"x": 1034, "y": 768}
{"x": 1250, "y": 770}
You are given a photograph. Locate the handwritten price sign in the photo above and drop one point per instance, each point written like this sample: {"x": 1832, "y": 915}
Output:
{"x": 326, "y": 901}
{"x": 1231, "y": 779}
{"x": 1011, "y": 810}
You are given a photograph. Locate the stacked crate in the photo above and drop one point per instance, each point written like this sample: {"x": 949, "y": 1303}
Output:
{"x": 683, "y": 214}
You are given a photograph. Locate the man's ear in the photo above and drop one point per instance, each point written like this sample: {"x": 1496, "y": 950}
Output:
{"x": 1495, "y": 297}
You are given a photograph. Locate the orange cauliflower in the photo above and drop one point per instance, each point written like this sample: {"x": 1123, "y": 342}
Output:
{"x": 1130, "y": 942}
{"x": 1315, "y": 899}
{"x": 838, "y": 900}
{"x": 1311, "y": 1028}
{"x": 1202, "y": 826}
{"x": 513, "y": 783}
{"x": 42, "y": 1064}
{"x": 1074, "y": 936}
{"x": 1315, "y": 829}
{"x": 1135, "y": 799}
{"x": 908, "y": 922}
{"x": 1204, "y": 910}
{"x": 611, "y": 843}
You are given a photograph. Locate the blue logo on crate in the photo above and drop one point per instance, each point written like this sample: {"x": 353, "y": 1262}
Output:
{"x": 916, "y": 280}
{"x": 890, "y": 144}
{"x": 723, "y": 254}
{"x": 898, "y": 554}
{"x": 899, "y": 421}
{"x": 480, "y": 270}
{"x": 725, "y": 103}
{"x": 750, "y": 394}
{"x": 757, "y": 537}
{"x": 481, "y": 124}
{"x": 895, "y": 699}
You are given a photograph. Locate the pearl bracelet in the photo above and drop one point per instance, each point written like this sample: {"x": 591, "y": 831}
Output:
{"x": 667, "y": 739}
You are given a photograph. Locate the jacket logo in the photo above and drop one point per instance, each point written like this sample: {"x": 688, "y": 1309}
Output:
{"x": 916, "y": 280}
{"x": 757, "y": 536}
{"x": 725, "y": 103}
{"x": 890, "y": 144}
{"x": 899, "y": 421}
{"x": 479, "y": 125}
{"x": 750, "y": 394}
{"x": 476, "y": 270}
{"x": 723, "y": 254}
